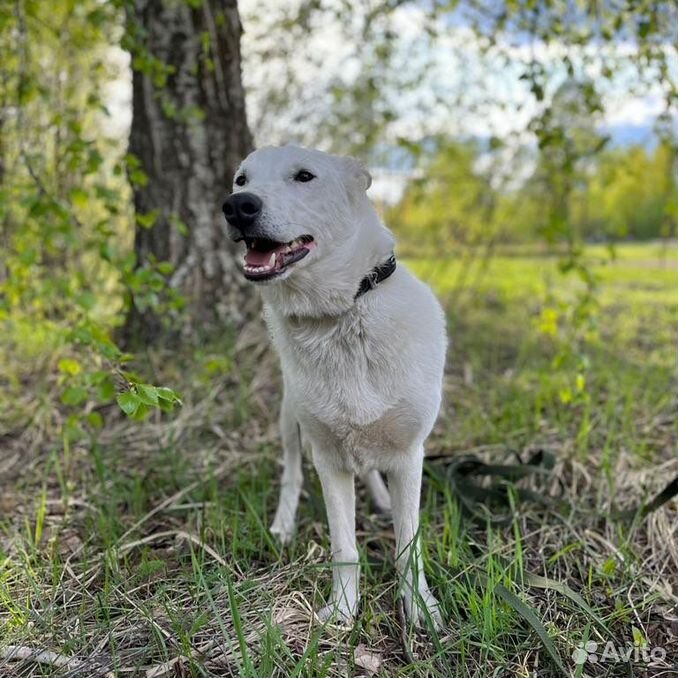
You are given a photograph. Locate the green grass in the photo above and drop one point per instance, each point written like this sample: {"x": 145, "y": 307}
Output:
{"x": 149, "y": 545}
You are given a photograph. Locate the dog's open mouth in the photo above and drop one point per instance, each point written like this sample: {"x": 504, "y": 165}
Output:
{"x": 267, "y": 259}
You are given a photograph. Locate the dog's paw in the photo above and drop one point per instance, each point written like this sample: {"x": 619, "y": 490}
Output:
{"x": 336, "y": 613}
{"x": 422, "y": 608}
{"x": 282, "y": 531}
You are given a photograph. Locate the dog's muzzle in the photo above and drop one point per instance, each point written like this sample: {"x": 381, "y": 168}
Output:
{"x": 264, "y": 258}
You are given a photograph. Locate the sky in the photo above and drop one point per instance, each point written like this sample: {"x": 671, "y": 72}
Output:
{"x": 458, "y": 89}
{"x": 495, "y": 102}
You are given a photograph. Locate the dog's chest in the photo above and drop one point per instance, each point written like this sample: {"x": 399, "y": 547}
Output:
{"x": 342, "y": 373}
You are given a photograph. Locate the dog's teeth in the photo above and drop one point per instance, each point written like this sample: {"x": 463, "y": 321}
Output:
{"x": 271, "y": 261}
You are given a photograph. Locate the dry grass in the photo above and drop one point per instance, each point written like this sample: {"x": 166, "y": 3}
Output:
{"x": 144, "y": 552}
{"x": 164, "y": 595}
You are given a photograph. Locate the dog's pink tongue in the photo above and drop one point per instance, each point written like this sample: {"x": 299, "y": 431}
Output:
{"x": 257, "y": 258}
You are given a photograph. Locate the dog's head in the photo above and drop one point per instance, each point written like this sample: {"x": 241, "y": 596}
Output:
{"x": 294, "y": 207}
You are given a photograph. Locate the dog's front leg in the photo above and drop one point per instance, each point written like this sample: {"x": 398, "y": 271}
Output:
{"x": 339, "y": 495}
{"x": 404, "y": 484}
{"x": 284, "y": 523}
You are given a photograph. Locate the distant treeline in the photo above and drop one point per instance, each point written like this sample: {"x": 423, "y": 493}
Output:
{"x": 465, "y": 195}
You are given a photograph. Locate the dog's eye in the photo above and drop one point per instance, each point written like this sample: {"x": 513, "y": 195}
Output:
{"x": 304, "y": 176}
{"x": 241, "y": 180}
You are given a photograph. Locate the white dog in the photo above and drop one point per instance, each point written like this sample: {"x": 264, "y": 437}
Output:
{"x": 362, "y": 348}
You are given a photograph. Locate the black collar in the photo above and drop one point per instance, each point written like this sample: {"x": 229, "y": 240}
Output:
{"x": 376, "y": 275}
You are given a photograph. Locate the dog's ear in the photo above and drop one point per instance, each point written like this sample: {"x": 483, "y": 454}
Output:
{"x": 357, "y": 172}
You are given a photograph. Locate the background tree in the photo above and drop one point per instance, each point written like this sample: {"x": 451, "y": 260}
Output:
{"x": 450, "y": 205}
{"x": 568, "y": 143}
{"x": 633, "y": 195}
{"x": 189, "y": 131}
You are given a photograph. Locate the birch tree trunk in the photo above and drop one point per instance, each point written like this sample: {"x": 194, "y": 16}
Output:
{"x": 189, "y": 132}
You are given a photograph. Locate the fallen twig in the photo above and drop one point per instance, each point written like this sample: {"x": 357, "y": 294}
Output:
{"x": 22, "y": 652}
{"x": 165, "y": 669}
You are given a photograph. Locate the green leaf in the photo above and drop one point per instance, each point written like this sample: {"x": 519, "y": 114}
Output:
{"x": 147, "y": 220}
{"x": 609, "y": 567}
{"x": 28, "y": 256}
{"x": 561, "y": 587}
{"x": 95, "y": 420}
{"x": 147, "y": 394}
{"x": 639, "y": 639}
{"x": 165, "y": 405}
{"x": 106, "y": 390}
{"x": 237, "y": 623}
{"x": 165, "y": 267}
{"x": 128, "y": 402}
{"x": 69, "y": 366}
{"x": 218, "y": 364}
{"x": 168, "y": 394}
{"x": 74, "y": 395}
{"x": 107, "y": 252}
{"x": 529, "y": 615}
{"x": 72, "y": 429}
{"x": 141, "y": 412}
{"x": 138, "y": 177}
{"x": 94, "y": 161}
{"x": 87, "y": 300}
{"x": 79, "y": 197}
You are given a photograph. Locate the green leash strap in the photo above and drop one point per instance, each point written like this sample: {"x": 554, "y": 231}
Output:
{"x": 644, "y": 510}
{"x": 478, "y": 500}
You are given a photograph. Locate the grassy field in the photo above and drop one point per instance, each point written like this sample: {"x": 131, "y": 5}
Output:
{"x": 145, "y": 551}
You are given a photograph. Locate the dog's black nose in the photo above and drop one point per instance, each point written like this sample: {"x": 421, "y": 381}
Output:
{"x": 242, "y": 209}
